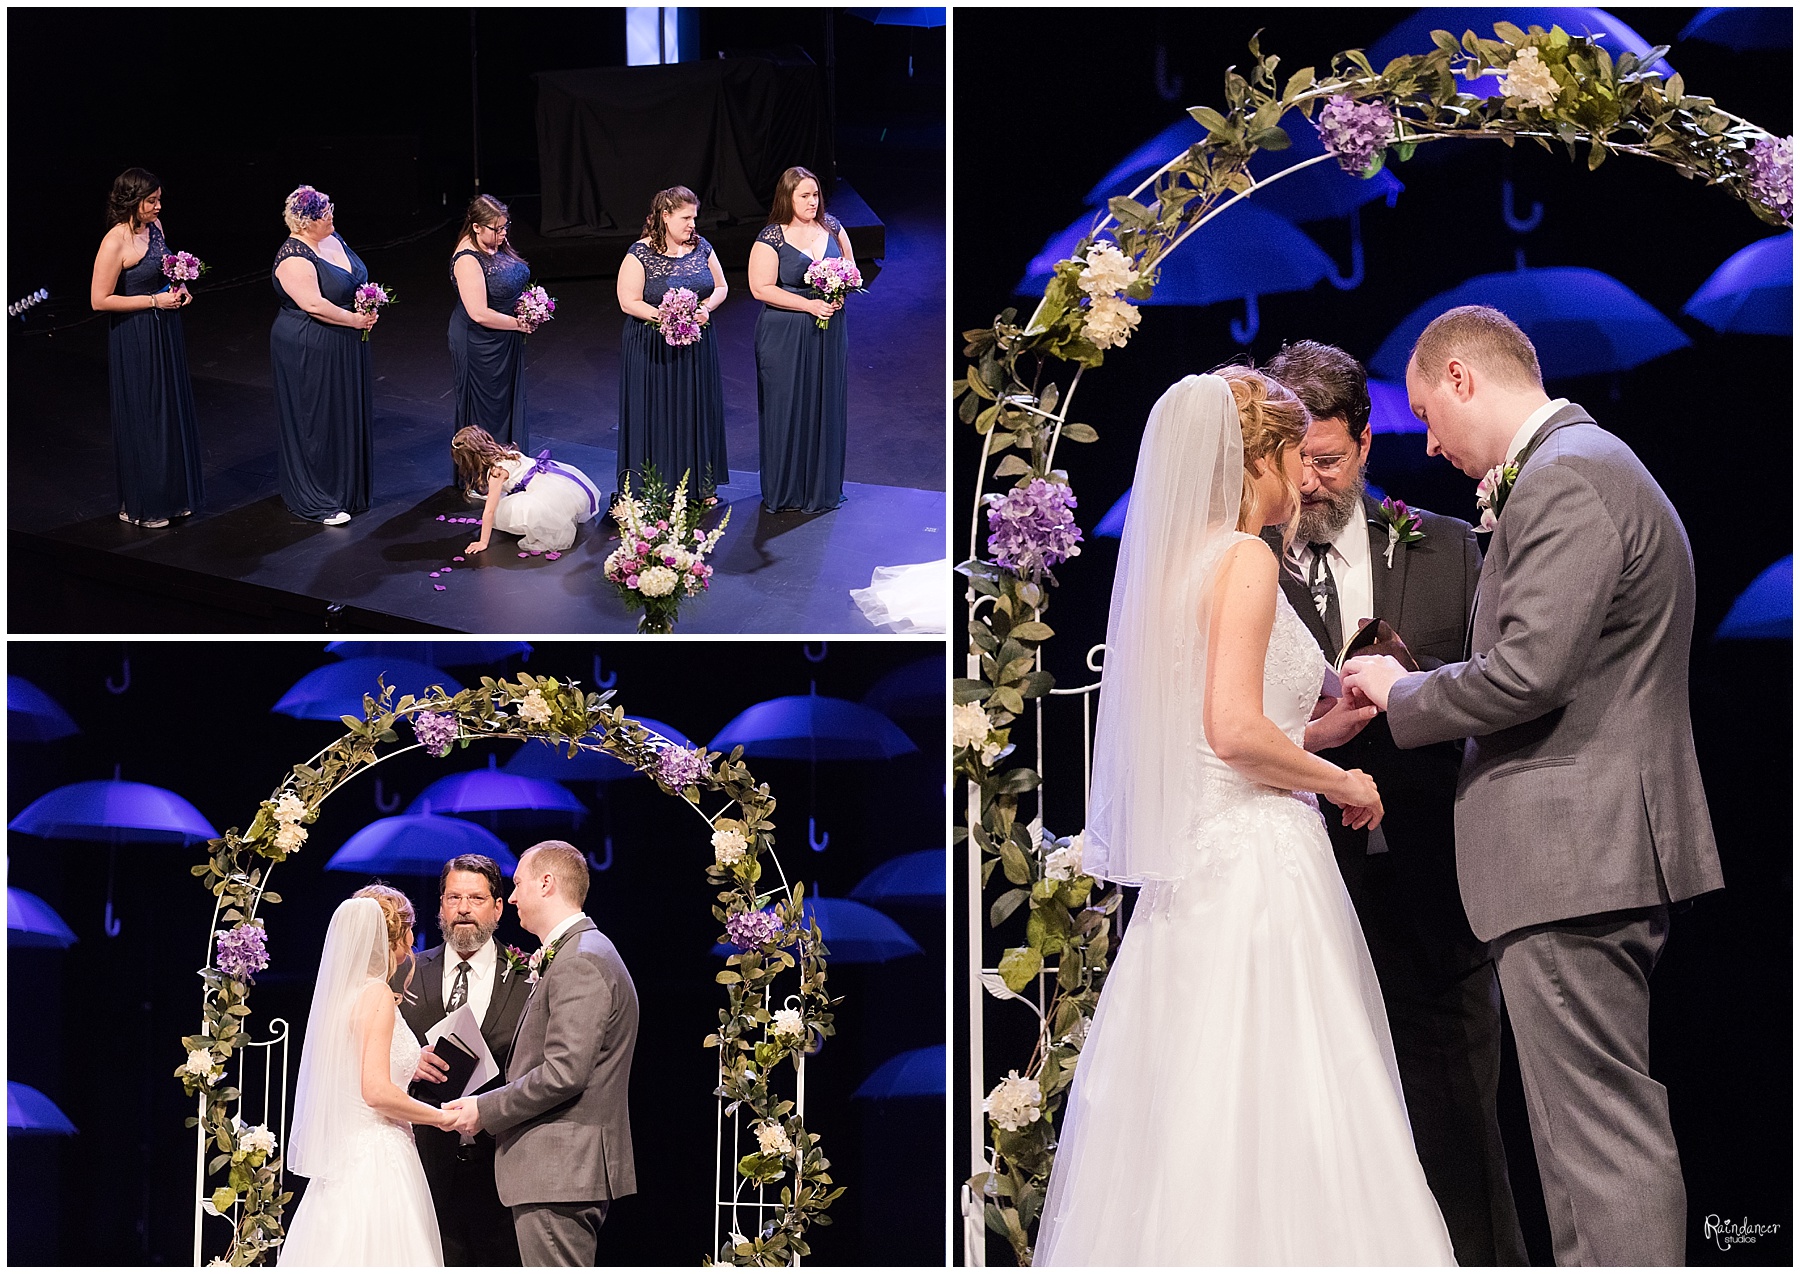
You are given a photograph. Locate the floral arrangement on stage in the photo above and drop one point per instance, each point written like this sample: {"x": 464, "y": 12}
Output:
{"x": 182, "y": 267}
{"x": 536, "y": 307}
{"x": 1557, "y": 90}
{"x": 370, "y": 297}
{"x": 678, "y": 317}
{"x": 831, "y": 279}
{"x": 661, "y": 557}
{"x": 751, "y": 1039}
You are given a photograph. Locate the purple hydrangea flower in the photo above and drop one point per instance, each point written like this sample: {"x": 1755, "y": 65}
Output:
{"x": 436, "y": 730}
{"x": 1355, "y": 132}
{"x": 1772, "y": 174}
{"x": 1031, "y": 527}
{"x": 308, "y": 203}
{"x": 678, "y": 767}
{"x": 241, "y": 952}
{"x": 750, "y": 929}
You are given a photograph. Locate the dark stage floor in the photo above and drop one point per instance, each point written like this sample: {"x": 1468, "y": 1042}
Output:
{"x": 246, "y": 563}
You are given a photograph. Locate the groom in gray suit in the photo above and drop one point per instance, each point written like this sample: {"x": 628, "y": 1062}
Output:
{"x": 1580, "y": 815}
{"x": 562, "y": 1122}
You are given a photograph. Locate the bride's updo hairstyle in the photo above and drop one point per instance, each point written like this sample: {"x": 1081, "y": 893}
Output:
{"x": 397, "y": 911}
{"x": 1272, "y": 419}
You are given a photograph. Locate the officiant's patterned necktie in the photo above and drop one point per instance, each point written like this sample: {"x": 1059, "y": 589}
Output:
{"x": 459, "y": 990}
{"x": 1325, "y": 596}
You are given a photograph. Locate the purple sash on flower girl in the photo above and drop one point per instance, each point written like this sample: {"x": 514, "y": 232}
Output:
{"x": 545, "y": 464}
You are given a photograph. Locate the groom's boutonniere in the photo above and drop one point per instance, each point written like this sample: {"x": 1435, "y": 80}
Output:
{"x": 515, "y": 961}
{"x": 1403, "y": 526}
{"x": 1491, "y": 492}
{"x": 540, "y": 959}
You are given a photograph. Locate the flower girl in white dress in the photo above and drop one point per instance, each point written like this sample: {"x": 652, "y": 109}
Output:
{"x": 542, "y": 501}
{"x": 366, "y": 1200}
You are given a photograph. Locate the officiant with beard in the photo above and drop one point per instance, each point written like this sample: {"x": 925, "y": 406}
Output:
{"x": 466, "y": 968}
{"x": 1438, "y": 982}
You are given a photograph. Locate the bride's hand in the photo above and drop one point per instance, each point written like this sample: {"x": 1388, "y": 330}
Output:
{"x": 1337, "y": 721}
{"x": 1359, "y": 799}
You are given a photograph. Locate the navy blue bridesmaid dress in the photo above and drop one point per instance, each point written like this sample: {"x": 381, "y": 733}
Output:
{"x": 155, "y": 435}
{"x": 802, "y": 390}
{"x": 324, "y": 394}
{"x": 671, "y": 400}
{"x": 490, "y": 364}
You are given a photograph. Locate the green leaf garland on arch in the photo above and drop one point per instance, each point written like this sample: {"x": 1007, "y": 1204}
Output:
{"x": 752, "y": 1042}
{"x": 1557, "y": 91}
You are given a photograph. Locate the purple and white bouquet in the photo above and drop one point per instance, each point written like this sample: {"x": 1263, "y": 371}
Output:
{"x": 536, "y": 307}
{"x": 831, "y": 279}
{"x": 182, "y": 268}
{"x": 662, "y": 550}
{"x": 370, "y": 297}
{"x": 678, "y": 317}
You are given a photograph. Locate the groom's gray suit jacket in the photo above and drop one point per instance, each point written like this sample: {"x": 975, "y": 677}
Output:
{"x": 1580, "y": 792}
{"x": 562, "y": 1123}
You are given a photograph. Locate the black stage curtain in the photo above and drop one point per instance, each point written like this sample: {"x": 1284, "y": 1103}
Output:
{"x": 611, "y": 137}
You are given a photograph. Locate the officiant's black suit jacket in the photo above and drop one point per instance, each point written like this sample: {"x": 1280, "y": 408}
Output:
{"x": 1411, "y": 892}
{"x": 476, "y": 1228}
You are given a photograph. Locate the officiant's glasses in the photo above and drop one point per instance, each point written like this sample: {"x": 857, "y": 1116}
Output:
{"x": 1325, "y": 466}
{"x": 474, "y": 900}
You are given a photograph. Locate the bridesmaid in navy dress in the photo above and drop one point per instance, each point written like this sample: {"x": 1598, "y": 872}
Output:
{"x": 487, "y": 340}
{"x": 324, "y": 388}
{"x": 671, "y": 400}
{"x": 802, "y": 380}
{"x": 155, "y": 438}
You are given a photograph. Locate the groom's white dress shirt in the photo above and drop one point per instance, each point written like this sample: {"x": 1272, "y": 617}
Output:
{"x": 1533, "y": 423}
{"x": 561, "y": 929}
{"x": 482, "y": 966}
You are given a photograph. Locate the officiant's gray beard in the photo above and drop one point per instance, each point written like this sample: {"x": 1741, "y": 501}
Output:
{"x": 1321, "y": 524}
{"x": 467, "y": 939}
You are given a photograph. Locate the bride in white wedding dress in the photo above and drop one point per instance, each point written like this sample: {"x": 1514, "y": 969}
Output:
{"x": 366, "y": 1200}
{"x": 1237, "y": 1101}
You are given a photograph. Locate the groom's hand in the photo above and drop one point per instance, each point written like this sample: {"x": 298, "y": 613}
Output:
{"x": 432, "y": 1069}
{"x": 1372, "y": 676}
{"x": 466, "y": 1115}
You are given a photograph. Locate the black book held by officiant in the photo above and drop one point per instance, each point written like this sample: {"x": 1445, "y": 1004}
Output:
{"x": 461, "y": 1059}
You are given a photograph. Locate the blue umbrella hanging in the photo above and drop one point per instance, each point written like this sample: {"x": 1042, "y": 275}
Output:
{"x": 1582, "y": 321}
{"x": 911, "y": 880}
{"x": 500, "y": 798}
{"x": 418, "y": 845}
{"x": 437, "y": 654}
{"x": 114, "y": 810}
{"x": 813, "y": 727}
{"x": 911, "y": 690}
{"x": 538, "y": 759}
{"x": 901, "y": 17}
{"x": 1752, "y": 292}
{"x": 855, "y": 934}
{"x": 32, "y": 922}
{"x": 31, "y": 1114}
{"x": 337, "y": 690}
{"x": 117, "y": 812}
{"x": 1741, "y": 30}
{"x": 918, "y": 1072}
{"x": 1390, "y": 412}
{"x": 1242, "y": 254}
{"x": 1320, "y": 193}
{"x": 33, "y": 716}
{"x": 1413, "y": 35}
{"x": 1765, "y": 610}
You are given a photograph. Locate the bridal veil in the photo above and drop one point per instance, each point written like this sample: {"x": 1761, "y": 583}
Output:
{"x": 1142, "y": 804}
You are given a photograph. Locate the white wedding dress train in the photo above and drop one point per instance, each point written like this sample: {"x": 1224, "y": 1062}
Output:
{"x": 375, "y": 1208}
{"x": 1237, "y": 1100}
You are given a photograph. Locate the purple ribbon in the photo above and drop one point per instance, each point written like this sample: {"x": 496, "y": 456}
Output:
{"x": 545, "y": 464}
